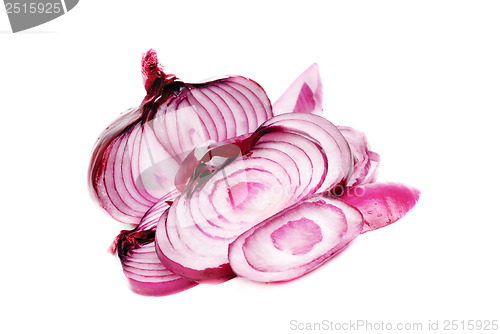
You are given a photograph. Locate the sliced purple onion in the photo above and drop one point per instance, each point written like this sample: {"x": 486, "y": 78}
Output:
{"x": 192, "y": 239}
{"x": 295, "y": 241}
{"x": 218, "y": 187}
{"x": 136, "y": 159}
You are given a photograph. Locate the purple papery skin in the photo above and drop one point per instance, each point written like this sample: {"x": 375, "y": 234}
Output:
{"x": 305, "y": 94}
{"x": 381, "y": 204}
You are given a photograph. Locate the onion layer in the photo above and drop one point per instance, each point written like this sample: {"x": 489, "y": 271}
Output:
{"x": 304, "y": 95}
{"x": 381, "y": 203}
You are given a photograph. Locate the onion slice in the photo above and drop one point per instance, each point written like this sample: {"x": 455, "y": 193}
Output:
{"x": 192, "y": 239}
{"x": 381, "y": 203}
{"x": 304, "y": 95}
{"x": 295, "y": 241}
{"x": 141, "y": 266}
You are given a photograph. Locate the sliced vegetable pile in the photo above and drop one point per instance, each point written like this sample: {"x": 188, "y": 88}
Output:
{"x": 220, "y": 183}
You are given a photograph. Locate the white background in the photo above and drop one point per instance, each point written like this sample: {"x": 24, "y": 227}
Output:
{"x": 420, "y": 78}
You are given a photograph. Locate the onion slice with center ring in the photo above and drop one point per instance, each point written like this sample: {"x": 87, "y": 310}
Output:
{"x": 296, "y": 240}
